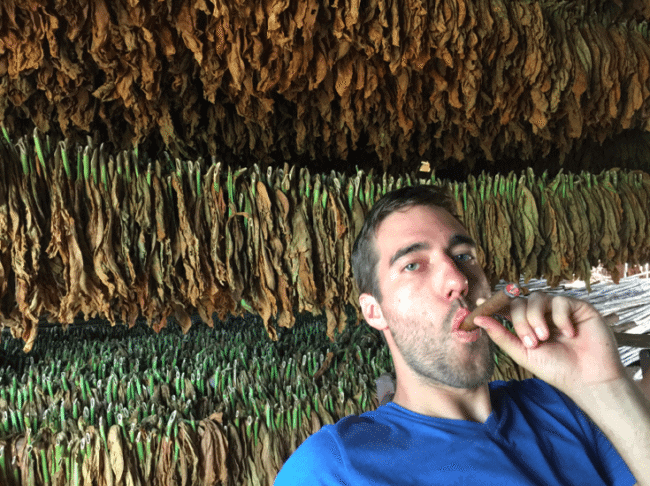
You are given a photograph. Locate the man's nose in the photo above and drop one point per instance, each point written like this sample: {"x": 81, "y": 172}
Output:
{"x": 454, "y": 281}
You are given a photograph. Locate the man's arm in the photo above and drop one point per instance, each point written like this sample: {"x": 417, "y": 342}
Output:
{"x": 622, "y": 412}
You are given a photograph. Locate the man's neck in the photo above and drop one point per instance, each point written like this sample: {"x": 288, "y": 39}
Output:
{"x": 442, "y": 401}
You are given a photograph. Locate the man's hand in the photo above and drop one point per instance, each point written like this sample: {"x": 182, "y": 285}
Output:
{"x": 563, "y": 341}
{"x": 575, "y": 351}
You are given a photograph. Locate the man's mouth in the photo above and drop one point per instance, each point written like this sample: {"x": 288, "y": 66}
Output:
{"x": 464, "y": 336}
{"x": 459, "y": 317}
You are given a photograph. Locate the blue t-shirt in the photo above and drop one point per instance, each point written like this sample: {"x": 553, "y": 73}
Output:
{"x": 535, "y": 435}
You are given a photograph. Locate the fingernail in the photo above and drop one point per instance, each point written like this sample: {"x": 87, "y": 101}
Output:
{"x": 540, "y": 333}
{"x": 528, "y": 341}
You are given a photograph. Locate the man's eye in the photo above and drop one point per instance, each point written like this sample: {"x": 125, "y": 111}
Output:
{"x": 411, "y": 267}
{"x": 464, "y": 257}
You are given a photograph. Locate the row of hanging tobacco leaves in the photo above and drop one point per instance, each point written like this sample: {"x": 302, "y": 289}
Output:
{"x": 396, "y": 79}
{"x": 102, "y": 405}
{"x": 83, "y": 231}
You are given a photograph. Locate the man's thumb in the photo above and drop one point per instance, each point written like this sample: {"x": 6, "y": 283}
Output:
{"x": 502, "y": 337}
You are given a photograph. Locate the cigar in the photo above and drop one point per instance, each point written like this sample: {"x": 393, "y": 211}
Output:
{"x": 498, "y": 301}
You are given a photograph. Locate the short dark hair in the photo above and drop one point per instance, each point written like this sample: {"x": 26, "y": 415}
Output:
{"x": 364, "y": 252}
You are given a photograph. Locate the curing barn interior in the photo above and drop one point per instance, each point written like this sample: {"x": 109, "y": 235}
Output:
{"x": 181, "y": 185}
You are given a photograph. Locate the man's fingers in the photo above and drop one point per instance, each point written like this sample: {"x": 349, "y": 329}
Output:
{"x": 520, "y": 311}
{"x": 540, "y": 317}
{"x": 561, "y": 311}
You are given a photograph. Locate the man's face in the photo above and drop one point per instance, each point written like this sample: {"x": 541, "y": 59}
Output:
{"x": 428, "y": 277}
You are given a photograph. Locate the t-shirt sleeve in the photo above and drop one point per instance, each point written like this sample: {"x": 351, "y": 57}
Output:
{"x": 614, "y": 466}
{"x": 317, "y": 461}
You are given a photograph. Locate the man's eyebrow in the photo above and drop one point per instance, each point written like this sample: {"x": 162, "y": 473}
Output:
{"x": 406, "y": 250}
{"x": 458, "y": 240}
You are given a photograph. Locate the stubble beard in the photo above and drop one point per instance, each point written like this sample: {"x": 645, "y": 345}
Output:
{"x": 429, "y": 352}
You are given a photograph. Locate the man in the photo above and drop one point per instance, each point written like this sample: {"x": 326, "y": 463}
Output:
{"x": 418, "y": 278}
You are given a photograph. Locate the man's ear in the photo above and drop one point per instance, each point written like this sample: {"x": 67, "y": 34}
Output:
{"x": 372, "y": 311}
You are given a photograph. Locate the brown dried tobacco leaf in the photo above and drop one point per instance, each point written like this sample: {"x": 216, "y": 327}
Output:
{"x": 550, "y": 265}
{"x": 5, "y": 240}
{"x": 643, "y": 242}
{"x": 270, "y": 245}
{"x": 164, "y": 469}
{"x": 159, "y": 268}
{"x": 358, "y": 215}
{"x": 604, "y": 77}
{"x": 609, "y": 239}
{"x": 504, "y": 220}
{"x": 266, "y": 455}
{"x": 521, "y": 227}
{"x": 116, "y": 451}
{"x": 188, "y": 441}
{"x": 214, "y": 449}
{"x": 107, "y": 245}
{"x": 56, "y": 250}
{"x": 636, "y": 205}
{"x": 216, "y": 210}
{"x": 619, "y": 70}
{"x": 300, "y": 255}
{"x": 202, "y": 232}
{"x": 596, "y": 79}
{"x": 280, "y": 445}
{"x": 36, "y": 293}
{"x": 235, "y": 453}
{"x": 632, "y": 100}
{"x": 235, "y": 282}
{"x": 19, "y": 249}
{"x": 494, "y": 262}
{"x": 121, "y": 261}
{"x": 583, "y": 64}
{"x": 260, "y": 296}
{"x": 566, "y": 243}
{"x": 640, "y": 45}
{"x": 150, "y": 305}
{"x": 320, "y": 249}
{"x": 610, "y": 202}
{"x": 282, "y": 211}
{"x": 96, "y": 230}
{"x": 473, "y": 216}
{"x": 338, "y": 222}
{"x": 595, "y": 216}
{"x": 628, "y": 222}
{"x": 502, "y": 238}
{"x": 276, "y": 253}
{"x": 125, "y": 244}
{"x": 579, "y": 223}
{"x": 640, "y": 203}
{"x": 96, "y": 456}
{"x": 25, "y": 34}
{"x": 187, "y": 243}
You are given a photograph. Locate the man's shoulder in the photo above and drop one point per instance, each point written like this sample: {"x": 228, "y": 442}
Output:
{"x": 354, "y": 430}
{"x": 324, "y": 454}
{"x": 531, "y": 396}
{"x": 348, "y": 432}
{"x": 317, "y": 457}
